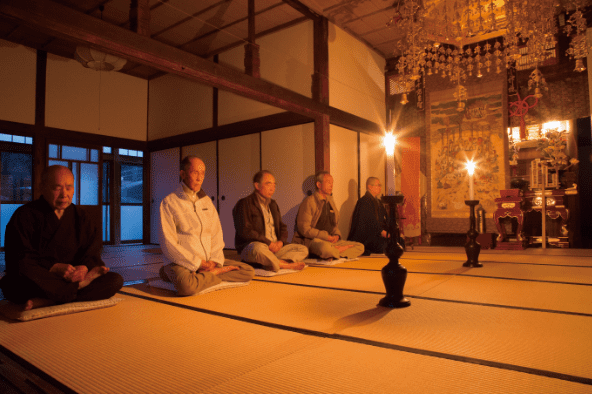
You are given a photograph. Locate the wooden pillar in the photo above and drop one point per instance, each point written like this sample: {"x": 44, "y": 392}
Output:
{"x": 322, "y": 147}
{"x": 320, "y": 78}
{"x": 252, "y": 61}
{"x": 39, "y": 141}
{"x": 139, "y": 15}
{"x": 116, "y": 201}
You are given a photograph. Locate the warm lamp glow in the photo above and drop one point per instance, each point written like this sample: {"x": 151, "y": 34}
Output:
{"x": 471, "y": 167}
{"x": 389, "y": 141}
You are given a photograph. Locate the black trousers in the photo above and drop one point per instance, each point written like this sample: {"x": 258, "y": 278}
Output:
{"x": 19, "y": 289}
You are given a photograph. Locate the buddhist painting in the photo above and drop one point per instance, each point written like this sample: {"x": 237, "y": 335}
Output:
{"x": 476, "y": 133}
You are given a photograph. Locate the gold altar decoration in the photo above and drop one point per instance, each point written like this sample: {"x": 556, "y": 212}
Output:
{"x": 439, "y": 36}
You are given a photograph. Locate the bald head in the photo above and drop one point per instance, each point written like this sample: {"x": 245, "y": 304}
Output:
{"x": 57, "y": 187}
{"x": 193, "y": 172}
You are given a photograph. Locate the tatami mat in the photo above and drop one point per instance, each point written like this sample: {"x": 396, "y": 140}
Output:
{"x": 193, "y": 352}
{"x": 146, "y": 347}
{"x": 495, "y": 334}
{"x": 520, "y": 324}
{"x": 352, "y": 368}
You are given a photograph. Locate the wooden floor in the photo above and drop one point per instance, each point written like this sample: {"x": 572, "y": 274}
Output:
{"x": 520, "y": 324}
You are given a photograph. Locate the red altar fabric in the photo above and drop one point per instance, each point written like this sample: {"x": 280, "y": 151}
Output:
{"x": 410, "y": 178}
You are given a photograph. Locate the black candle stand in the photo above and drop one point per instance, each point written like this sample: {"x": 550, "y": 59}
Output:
{"x": 394, "y": 274}
{"x": 472, "y": 247}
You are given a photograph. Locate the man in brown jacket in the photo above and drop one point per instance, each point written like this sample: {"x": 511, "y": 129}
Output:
{"x": 316, "y": 224}
{"x": 261, "y": 235}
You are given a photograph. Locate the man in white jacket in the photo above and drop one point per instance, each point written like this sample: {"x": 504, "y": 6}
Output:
{"x": 191, "y": 236}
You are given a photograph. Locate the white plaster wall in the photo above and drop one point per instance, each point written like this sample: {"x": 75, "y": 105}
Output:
{"x": 17, "y": 82}
{"x": 73, "y": 100}
{"x": 233, "y": 108}
{"x": 177, "y": 106}
{"x": 344, "y": 168}
{"x": 372, "y": 160}
{"x": 287, "y": 60}
{"x": 356, "y": 77}
{"x": 289, "y": 154}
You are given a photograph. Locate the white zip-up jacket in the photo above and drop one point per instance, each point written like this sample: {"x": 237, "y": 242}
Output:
{"x": 190, "y": 232}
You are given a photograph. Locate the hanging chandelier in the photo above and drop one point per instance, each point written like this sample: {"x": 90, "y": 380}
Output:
{"x": 439, "y": 37}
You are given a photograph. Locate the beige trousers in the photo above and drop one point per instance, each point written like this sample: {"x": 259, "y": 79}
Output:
{"x": 188, "y": 282}
{"x": 327, "y": 250}
{"x": 258, "y": 252}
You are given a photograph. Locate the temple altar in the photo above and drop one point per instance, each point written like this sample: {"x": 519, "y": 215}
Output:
{"x": 518, "y": 218}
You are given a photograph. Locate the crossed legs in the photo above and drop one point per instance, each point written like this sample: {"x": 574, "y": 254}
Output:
{"x": 188, "y": 282}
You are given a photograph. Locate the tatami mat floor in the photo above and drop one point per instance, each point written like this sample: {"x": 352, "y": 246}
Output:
{"x": 520, "y": 324}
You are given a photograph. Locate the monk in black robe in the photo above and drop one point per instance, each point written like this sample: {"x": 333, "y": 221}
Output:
{"x": 369, "y": 221}
{"x": 53, "y": 250}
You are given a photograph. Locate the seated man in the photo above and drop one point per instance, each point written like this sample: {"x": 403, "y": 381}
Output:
{"x": 191, "y": 237}
{"x": 369, "y": 221}
{"x": 53, "y": 250}
{"x": 261, "y": 234}
{"x": 316, "y": 223}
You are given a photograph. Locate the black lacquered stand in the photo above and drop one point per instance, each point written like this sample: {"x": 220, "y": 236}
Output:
{"x": 394, "y": 274}
{"x": 472, "y": 247}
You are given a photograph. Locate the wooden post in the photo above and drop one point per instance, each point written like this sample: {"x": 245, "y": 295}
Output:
{"x": 139, "y": 15}
{"x": 322, "y": 147}
{"x": 252, "y": 60}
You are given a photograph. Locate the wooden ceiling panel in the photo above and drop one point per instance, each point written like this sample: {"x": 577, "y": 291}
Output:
{"x": 281, "y": 14}
{"x": 163, "y": 17}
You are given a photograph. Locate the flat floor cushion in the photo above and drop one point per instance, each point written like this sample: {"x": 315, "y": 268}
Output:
{"x": 161, "y": 284}
{"x": 12, "y": 311}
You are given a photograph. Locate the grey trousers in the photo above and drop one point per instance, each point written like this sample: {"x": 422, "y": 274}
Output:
{"x": 188, "y": 282}
{"x": 327, "y": 250}
{"x": 258, "y": 252}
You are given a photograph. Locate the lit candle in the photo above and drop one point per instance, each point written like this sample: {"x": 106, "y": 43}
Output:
{"x": 389, "y": 142}
{"x": 471, "y": 170}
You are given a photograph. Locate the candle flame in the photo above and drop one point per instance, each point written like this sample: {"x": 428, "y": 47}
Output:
{"x": 471, "y": 167}
{"x": 389, "y": 141}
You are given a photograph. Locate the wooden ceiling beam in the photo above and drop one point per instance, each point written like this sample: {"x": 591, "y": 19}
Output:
{"x": 55, "y": 19}
{"x": 74, "y": 26}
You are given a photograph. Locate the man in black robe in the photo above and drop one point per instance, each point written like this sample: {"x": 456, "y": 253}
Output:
{"x": 53, "y": 250}
{"x": 369, "y": 221}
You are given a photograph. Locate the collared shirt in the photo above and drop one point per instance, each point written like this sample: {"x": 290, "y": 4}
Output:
{"x": 190, "y": 193}
{"x": 267, "y": 217}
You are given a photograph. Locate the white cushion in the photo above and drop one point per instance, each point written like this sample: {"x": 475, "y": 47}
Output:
{"x": 10, "y": 310}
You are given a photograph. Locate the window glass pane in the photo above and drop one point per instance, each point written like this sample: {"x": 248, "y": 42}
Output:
{"x": 6, "y": 211}
{"x": 89, "y": 184}
{"x": 106, "y": 149}
{"x": 53, "y": 151}
{"x": 19, "y": 139}
{"x": 29, "y": 140}
{"x": 131, "y": 184}
{"x": 133, "y": 152}
{"x": 106, "y": 183}
{"x": 74, "y": 153}
{"x": 140, "y": 153}
{"x": 131, "y": 222}
{"x": 94, "y": 155}
{"x": 57, "y": 162}
{"x": 75, "y": 172}
{"x": 17, "y": 169}
{"x": 106, "y": 223}
{"x": 123, "y": 152}
{"x": 5, "y": 137}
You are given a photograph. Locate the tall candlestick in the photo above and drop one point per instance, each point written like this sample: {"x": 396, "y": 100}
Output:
{"x": 471, "y": 171}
